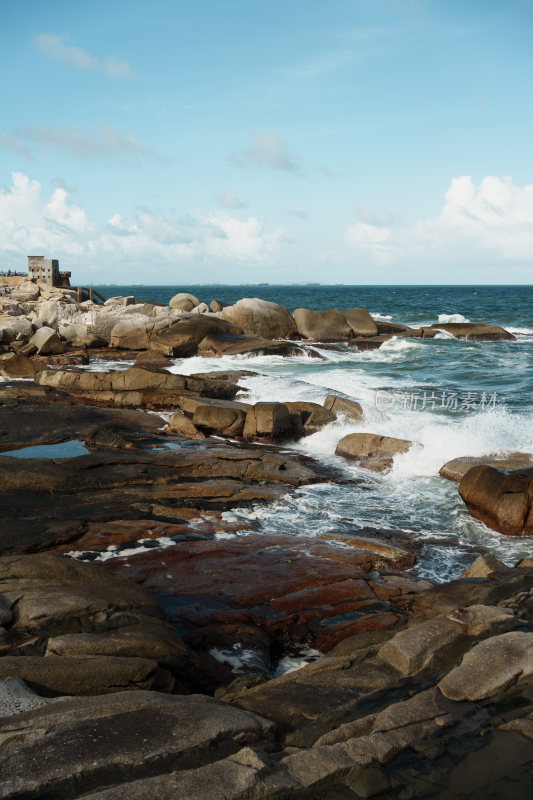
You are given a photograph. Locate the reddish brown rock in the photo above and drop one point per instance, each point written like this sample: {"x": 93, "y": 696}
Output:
{"x": 264, "y": 591}
{"x": 502, "y": 500}
{"x": 456, "y": 469}
{"x": 476, "y": 331}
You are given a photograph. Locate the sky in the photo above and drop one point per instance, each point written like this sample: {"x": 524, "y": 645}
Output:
{"x": 347, "y": 141}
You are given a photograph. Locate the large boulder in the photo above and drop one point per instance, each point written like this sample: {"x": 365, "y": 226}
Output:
{"x": 456, "y": 469}
{"x": 371, "y": 450}
{"x": 49, "y": 311}
{"x": 220, "y": 416}
{"x": 181, "y": 424}
{"x": 476, "y": 331}
{"x": 74, "y": 333}
{"x": 313, "y": 415}
{"x": 47, "y": 342}
{"x": 491, "y": 668}
{"x": 360, "y": 321}
{"x": 182, "y": 338}
{"x": 502, "y": 500}
{"x": 183, "y": 301}
{"x": 268, "y": 421}
{"x": 230, "y": 344}
{"x": 350, "y": 409}
{"x": 261, "y": 318}
{"x": 132, "y": 333}
{"x": 322, "y": 326}
{"x": 16, "y": 365}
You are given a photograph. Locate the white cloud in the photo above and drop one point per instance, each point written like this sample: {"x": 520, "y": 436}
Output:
{"x": 105, "y": 142}
{"x": 487, "y": 224}
{"x": 30, "y": 222}
{"x": 269, "y": 151}
{"x": 229, "y": 199}
{"x": 58, "y": 48}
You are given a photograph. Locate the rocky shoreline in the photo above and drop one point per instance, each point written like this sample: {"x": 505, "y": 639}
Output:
{"x": 143, "y": 645}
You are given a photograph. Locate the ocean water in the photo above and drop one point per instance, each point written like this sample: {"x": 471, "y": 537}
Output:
{"x": 452, "y": 398}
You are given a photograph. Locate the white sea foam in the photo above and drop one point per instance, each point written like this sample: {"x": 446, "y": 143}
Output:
{"x": 444, "y": 318}
{"x": 292, "y": 663}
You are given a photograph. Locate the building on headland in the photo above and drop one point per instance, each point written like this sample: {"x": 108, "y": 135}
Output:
{"x": 47, "y": 271}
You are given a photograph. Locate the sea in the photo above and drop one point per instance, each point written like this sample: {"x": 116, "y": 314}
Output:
{"x": 452, "y": 398}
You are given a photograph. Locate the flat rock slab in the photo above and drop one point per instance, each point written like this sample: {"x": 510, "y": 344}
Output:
{"x": 456, "y": 469}
{"x": 262, "y": 589}
{"x": 131, "y": 734}
{"x": 27, "y": 424}
{"x": 46, "y": 503}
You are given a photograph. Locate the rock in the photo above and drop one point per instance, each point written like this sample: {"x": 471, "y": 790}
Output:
{"x": 182, "y": 338}
{"x": 216, "y": 306}
{"x": 502, "y": 500}
{"x": 73, "y": 332}
{"x": 228, "y": 344}
{"x": 128, "y": 300}
{"x": 456, "y": 469}
{"x": 94, "y": 742}
{"x": 104, "y": 322}
{"x": 483, "y": 566}
{"x": 260, "y": 593}
{"x": 261, "y": 318}
{"x": 150, "y": 359}
{"x": 56, "y": 675}
{"x": 343, "y": 406}
{"x": 47, "y": 342}
{"x": 27, "y": 292}
{"x": 201, "y": 308}
{"x": 476, "y": 331}
{"x": 267, "y": 421}
{"x": 371, "y": 450}
{"x": 510, "y": 657}
{"x": 392, "y": 328}
{"x": 313, "y": 415}
{"x": 40, "y": 498}
{"x": 224, "y": 417}
{"x": 134, "y": 387}
{"x": 360, "y": 322}
{"x": 322, "y": 326}
{"x": 183, "y": 301}
{"x": 368, "y": 343}
{"x": 15, "y": 365}
{"x": 132, "y": 333}
{"x": 416, "y": 648}
{"x": 183, "y": 426}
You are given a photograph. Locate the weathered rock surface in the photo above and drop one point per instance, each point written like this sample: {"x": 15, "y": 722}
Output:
{"x": 502, "y": 500}
{"x": 350, "y": 409}
{"x": 360, "y": 321}
{"x": 456, "y": 469}
{"x": 183, "y": 301}
{"x": 47, "y": 342}
{"x": 77, "y": 629}
{"x": 268, "y": 422}
{"x": 134, "y": 387}
{"x": 97, "y": 741}
{"x": 322, "y": 326}
{"x": 50, "y": 502}
{"x": 476, "y": 331}
{"x": 16, "y": 365}
{"x": 182, "y": 338}
{"x": 313, "y": 415}
{"x": 262, "y": 593}
{"x": 372, "y": 451}
{"x": 261, "y": 318}
{"x": 229, "y": 344}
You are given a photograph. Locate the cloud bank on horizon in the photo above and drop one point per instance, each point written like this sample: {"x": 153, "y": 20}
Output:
{"x": 363, "y": 143}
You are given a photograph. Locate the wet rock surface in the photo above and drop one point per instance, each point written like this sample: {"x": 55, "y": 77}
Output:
{"x": 502, "y": 500}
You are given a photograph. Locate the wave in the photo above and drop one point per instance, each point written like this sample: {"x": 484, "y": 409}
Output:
{"x": 444, "y": 318}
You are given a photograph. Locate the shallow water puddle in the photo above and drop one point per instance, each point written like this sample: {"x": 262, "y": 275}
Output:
{"x": 70, "y": 449}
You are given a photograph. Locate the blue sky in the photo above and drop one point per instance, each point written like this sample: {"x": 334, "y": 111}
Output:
{"x": 369, "y": 141}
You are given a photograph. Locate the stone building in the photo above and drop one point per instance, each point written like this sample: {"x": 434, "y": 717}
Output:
{"x": 47, "y": 270}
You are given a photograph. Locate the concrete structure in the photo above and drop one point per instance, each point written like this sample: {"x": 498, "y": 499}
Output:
{"x": 47, "y": 270}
